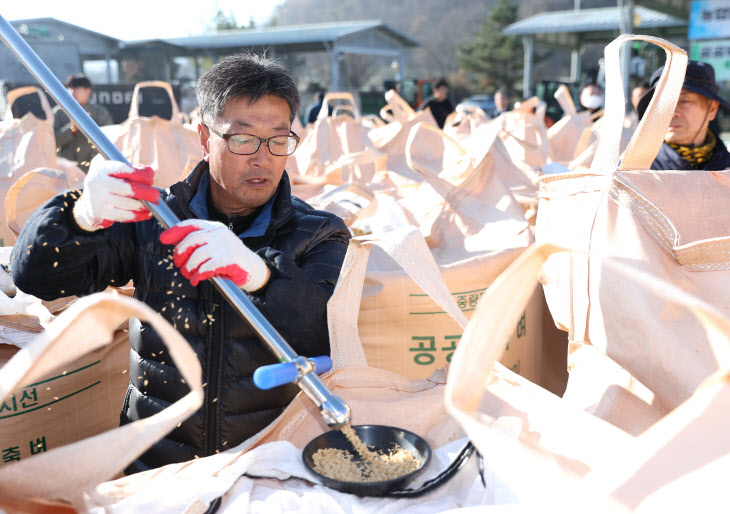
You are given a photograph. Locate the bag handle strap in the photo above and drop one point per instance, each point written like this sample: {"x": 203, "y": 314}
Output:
{"x": 47, "y": 475}
{"x": 527, "y": 105}
{"x": 565, "y": 100}
{"x": 649, "y": 135}
{"x": 474, "y": 363}
{"x": 36, "y": 178}
{"x": 386, "y": 112}
{"x": 355, "y": 188}
{"x": 446, "y": 189}
{"x": 343, "y": 98}
{"x": 16, "y": 93}
{"x": 401, "y": 110}
{"x": 525, "y": 109}
{"x": 134, "y": 105}
{"x": 409, "y": 249}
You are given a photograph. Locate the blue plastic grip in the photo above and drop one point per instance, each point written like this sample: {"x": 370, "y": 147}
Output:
{"x": 274, "y": 375}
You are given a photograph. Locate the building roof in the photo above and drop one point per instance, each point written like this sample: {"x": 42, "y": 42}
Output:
{"x": 22, "y": 26}
{"x": 606, "y": 19}
{"x": 316, "y": 36}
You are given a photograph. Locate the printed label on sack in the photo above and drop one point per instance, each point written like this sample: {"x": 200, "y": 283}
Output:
{"x": 466, "y": 300}
{"x": 64, "y": 407}
{"x": 33, "y": 447}
{"x": 40, "y": 395}
{"x": 427, "y": 348}
{"x": 410, "y": 334}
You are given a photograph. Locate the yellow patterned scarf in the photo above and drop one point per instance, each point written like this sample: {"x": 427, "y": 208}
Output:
{"x": 699, "y": 155}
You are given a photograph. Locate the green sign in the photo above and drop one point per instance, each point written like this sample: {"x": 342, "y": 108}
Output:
{"x": 714, "y": 52}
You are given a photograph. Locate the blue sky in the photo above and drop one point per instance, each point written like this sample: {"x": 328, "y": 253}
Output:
{"x": 140, "y": 19}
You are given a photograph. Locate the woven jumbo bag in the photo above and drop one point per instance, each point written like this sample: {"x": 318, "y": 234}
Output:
{"x": 336, "y": 149}
{"x": 474, "y": 228}
{"x": 169, "y": 147}
{"x": 25, "y": 144}
{"x": 545, "y": 454}
{"x": 65, "y": 389}
{"x": 634, "y": 357}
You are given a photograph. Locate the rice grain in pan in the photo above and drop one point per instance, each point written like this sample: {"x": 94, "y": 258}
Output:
{"x": 373, "y": 466}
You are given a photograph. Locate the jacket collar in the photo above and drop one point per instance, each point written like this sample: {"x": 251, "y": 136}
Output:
{"x": 191, "y": 196}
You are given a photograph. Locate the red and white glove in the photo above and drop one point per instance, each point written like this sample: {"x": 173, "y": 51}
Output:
{"x": 205, "y": 249}
{"x": 113, "y": 192}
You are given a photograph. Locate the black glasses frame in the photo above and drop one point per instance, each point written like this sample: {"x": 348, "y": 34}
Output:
{"x": 227, "y": 138}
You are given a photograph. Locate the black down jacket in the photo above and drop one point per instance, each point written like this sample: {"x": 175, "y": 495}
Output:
{"x": 303, "y": 247}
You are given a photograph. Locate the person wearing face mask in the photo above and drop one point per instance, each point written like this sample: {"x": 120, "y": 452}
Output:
{"x": 592, "y": 98}
{"x": 690, "y": 143}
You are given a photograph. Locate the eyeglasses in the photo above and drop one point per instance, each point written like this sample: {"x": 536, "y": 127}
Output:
{"x": 248, "y": 144}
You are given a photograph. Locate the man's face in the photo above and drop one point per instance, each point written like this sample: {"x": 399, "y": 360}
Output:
{"x": 636, "y": 95}
{"x": 81, "y": 94}
{"x": 441, "y": 92}
{"x": 501, "y": 101}
{"x": 691, "y": 118}
{"x": 241, "y": 183}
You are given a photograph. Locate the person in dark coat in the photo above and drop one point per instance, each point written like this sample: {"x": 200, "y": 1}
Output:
{"x": 240, "y": 222}
{"x": 690, "y": 143}
{"x": 439, "y": 104}
{"x": 71, "y": 143}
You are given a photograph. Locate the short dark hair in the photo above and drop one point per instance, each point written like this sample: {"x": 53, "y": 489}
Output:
{"x": 501, "y": 91}
{"x": 244, "y": 75}
{"x": 441, "y": 82}
{"x": 78, "y": 80}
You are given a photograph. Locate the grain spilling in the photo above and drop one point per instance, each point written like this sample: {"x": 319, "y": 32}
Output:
{"x": 372, "y": 466}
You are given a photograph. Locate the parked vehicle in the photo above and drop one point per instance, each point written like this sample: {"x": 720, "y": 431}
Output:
{"x": 484, "y": 102}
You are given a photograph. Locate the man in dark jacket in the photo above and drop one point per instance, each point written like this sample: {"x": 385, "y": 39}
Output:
{"x": 241, "y": 223}
{"x": 689, "y": 143}
{"x": 439, "y": 104}
{"x": 71, "y": 143}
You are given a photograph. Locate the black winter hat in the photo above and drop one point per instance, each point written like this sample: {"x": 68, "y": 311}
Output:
{"x": 699, "y": 78}
{"x": 79, "y": 80}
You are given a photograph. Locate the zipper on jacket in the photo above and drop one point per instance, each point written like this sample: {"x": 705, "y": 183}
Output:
{"x": 213, "y": 372}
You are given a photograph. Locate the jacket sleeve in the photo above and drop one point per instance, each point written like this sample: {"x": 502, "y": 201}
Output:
{"x": 54, "y": 257}
{"x": 295, "y": 298}
{"x": 62, "y": 127}
{"x": 102, "y": 116}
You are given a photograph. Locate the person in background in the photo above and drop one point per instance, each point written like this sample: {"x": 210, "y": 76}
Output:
{"x": 501, "y": 102}
{"x": 439, "y": 104}
{"x": 71, "y": 143}
{"x": 314, "y": 108}
{"x": 240, "y": 222}
{"x": 632, "y": 119}
{"x": 690, "y": 144}
{"x": 592, "y": 98}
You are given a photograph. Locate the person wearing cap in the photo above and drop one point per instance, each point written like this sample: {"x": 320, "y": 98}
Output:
{"x": 240, "y": 222}
{"x": 690, "y": 144}
{"x": 71, "y": 144}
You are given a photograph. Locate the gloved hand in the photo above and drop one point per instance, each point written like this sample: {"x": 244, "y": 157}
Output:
{"x": 113, "y": 192}
{"x": 205, "y": 249}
